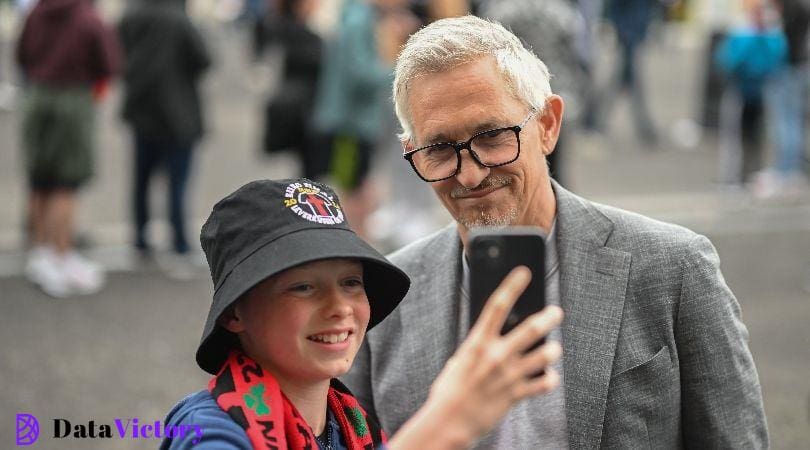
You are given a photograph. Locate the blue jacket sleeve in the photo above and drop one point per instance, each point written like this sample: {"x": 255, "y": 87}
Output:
{"x": 198, "y": 423}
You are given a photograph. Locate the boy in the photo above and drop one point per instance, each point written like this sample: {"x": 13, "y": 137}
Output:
{"x": 295, "y": 290}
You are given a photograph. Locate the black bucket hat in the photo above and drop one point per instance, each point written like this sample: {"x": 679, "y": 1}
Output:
{"x": 269, "y": 226}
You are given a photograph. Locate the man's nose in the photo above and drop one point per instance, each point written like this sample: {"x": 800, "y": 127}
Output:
{"x": 470, "y": 174}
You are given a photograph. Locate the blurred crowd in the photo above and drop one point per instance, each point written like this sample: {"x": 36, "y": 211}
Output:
{"x": 331, "y": 107}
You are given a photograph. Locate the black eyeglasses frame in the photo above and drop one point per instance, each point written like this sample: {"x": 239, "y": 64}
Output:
{"x": 459, "y": 146}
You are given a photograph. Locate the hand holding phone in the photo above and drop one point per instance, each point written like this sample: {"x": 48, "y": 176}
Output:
{"x": 488, "y": 374}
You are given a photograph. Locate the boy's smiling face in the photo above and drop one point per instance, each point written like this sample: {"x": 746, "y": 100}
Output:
{"x": 304, "y": 324}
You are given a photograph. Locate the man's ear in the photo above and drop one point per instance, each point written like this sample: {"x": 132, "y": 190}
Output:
{"x": 230, "y": 319}
{"x": 407, "y": 145}
{"x": 550, "y": 120}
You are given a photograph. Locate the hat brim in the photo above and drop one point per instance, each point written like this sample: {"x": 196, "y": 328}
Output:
{"x": 385, "y": 283}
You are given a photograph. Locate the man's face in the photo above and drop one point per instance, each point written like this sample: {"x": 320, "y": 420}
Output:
{"x": 306, "y": 323}
{"x": 456, "y": 104}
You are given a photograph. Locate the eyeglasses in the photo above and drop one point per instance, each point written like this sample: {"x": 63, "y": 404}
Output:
{"x": 491, "y": 148}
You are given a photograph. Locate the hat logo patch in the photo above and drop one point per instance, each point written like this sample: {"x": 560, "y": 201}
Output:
{"x": 312, "y": 203}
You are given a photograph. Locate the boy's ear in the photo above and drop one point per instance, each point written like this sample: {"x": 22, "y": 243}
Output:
{"x": 230, "y": 320}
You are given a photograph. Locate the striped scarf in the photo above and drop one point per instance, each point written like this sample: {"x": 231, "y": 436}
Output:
{"x": 253, "y": 399}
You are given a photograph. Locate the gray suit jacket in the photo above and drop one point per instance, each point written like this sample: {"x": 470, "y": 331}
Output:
{"x": 655, "y": 354}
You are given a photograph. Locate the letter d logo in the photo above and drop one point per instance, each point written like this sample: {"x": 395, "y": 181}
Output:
{"x": 27, "y": 429}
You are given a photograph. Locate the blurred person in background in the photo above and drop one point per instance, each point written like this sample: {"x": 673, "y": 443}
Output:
{"x": 288, "y": 114}
{"x": 631, "y": 20}
{"x": 393, "y": 224}
{"x": 718, "y": 16}
{"x": 430, "y": 10}
{"x": 354, "y": 86}
{"x": 552, "y": 29}
{"x": 8, "y": 90}
{"x": 67, "y": 55}
{"x": 750, "y": 55}
{"x": 166, "y": 58}
{"x": 788, "y": 106}
{"x": 255, "y": 13}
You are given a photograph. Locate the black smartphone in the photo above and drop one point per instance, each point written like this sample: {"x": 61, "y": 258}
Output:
{"x": 493, "y": 254}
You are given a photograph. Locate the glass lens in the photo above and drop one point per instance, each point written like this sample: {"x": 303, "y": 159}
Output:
{"x": 496, "y": 146}
{"x": 436, "y": 161}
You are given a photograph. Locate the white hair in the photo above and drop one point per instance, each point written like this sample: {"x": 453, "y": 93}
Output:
{"x": 449, "y": 43}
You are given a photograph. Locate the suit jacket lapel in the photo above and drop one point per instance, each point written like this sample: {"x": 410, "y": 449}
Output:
{"x": 593, "y": 284}
{"x": 433, "y": 323}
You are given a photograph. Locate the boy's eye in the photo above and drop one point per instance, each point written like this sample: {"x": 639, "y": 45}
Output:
{"x": 302, "y": 288}
{"x": 353, "y": 282}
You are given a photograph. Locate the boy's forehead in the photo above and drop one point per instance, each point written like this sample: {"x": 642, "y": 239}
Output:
{"x": 326, "y": 265}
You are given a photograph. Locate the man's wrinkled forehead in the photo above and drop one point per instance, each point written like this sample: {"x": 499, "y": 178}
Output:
{"x": 472, "y": 89}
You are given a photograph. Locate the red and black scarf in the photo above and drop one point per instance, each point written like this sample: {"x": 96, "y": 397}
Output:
{"x": 253, "y": 399}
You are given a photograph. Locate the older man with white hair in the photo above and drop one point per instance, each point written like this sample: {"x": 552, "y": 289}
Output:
{"x": 655, "y": 353}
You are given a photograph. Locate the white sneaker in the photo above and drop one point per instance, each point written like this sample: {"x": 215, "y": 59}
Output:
{"x": 84, "y": 276}
{"x": 769, "y": 184}
{"x": 44, "y": 268}
{"x": 32, "y": 261}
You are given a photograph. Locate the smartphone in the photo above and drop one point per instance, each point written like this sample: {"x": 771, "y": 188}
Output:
{"x": 493, "y": 254}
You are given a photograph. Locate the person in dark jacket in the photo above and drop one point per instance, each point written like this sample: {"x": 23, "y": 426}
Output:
{"x": 288, "y": 118}
{"x": 66, "y": 54}
{"x": 165, "y": 60}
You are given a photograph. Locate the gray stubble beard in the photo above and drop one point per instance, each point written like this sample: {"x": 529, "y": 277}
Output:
{"x": 484, "y": 218}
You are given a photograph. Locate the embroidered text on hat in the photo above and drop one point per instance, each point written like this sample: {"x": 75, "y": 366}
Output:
{"x": 312, "y": 203}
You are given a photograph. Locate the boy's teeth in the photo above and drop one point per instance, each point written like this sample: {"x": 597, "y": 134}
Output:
{"x": 330, "y": 338}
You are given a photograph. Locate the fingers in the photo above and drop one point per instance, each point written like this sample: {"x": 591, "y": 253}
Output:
{"x": 539, "y": 359}
{"x": 533, "y": 328}
{"x": 505, "y": 366}
{"x": 497, "y": 308}
{"x": 537, "y": 386}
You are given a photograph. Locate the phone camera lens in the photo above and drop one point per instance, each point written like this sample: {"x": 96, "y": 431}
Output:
{"x": 493, "y": 251}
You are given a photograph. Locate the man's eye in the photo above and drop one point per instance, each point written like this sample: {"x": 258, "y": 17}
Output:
{"x": 493, "y": 133}
{"x": 494, "y": 138}
{"x": 437, "y": 151}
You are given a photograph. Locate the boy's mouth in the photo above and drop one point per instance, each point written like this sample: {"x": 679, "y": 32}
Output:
{"x": 330, "y": 338}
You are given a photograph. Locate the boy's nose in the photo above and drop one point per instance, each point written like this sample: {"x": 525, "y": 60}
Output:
{"x": 339, "y": 305}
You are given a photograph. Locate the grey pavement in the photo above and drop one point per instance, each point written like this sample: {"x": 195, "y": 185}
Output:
{"x": 128, "y": 351}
